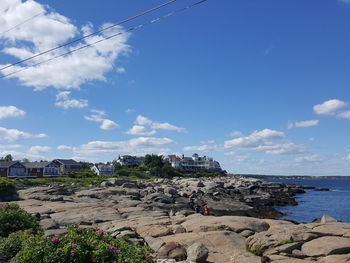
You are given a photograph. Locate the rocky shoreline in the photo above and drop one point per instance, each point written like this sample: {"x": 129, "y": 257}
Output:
{"x": 160, "y": 213}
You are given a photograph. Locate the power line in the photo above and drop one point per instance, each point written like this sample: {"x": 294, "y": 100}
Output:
{"x": 18, "y": 25}
{"x": 91, "y": 34}
{"x": 107, "y": 38}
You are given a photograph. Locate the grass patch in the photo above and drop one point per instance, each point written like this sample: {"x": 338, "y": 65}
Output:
{"x": 288, "y": 241}
{"x": 257, "y": 251}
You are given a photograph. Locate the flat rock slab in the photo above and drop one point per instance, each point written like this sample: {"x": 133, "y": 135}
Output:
{"x": 222, "y": 245}
{"x": 200, "y": 223}
{"x": 325, "y": 246}
{"x": 336, "y": 259}
{"x": 333, "y": 229}
{"x": 283, "y": 259}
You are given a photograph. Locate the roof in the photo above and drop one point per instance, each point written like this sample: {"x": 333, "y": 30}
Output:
{"x": 36, "y": 164}
{"x": 8, "y": 164}
{"x": 104, "y": 167}
{"x": 67, "y": 161}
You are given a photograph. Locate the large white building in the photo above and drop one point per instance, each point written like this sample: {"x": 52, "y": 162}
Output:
{"x": 193, "y": 163}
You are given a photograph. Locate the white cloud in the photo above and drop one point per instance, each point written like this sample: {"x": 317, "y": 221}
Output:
{"x": 98, "y": 115}
{"x": 145, "y": 127}
{"x": 64, "y": 148}
{"x": 242, "y": 158}
{"x": 257, "y": 138}
{"x": 10, "y": 146}
{"x": 108, "y": 125}
{"x": 330, "y": 107}
{"x": 202, "y": 148}
{"x": 22, "y": 155}
{"x": 235, "y": 134}
{"x": 63, "y": 101}
{"x": 129, "y": 110}
{"x": 37, "y": 150}
{"x": 136, "y": 146}
{"x": 11, "y": 112}
{"x": 345, "y": 1}
{"x": 303, "y": 124}
{"x": 309, "y": 159}
{"x": 312, "y": 139}
{"x": 207, "y": 142}
{"x": 121, "y": 70}
{"x": 284, "y": 148}
{"x": 50, "y": 30}
{"x": 344, "y": 115}
{"x": 12, "y": 135}
{"x": 141, "y": 130}
{"x": 336, "y": 108}
{"x": 347, "y": 158}
{"x": 269, "y": 141}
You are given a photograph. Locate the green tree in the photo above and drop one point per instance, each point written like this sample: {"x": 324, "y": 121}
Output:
{"x": 86, "y": 165}
{"x": 8, "y": 158}
{"x": 153, "y": 161}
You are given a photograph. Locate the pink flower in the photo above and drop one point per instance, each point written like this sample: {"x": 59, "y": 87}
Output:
{"x": 55, "y": 240}
{"x": 116, "y": 250}
{"x": 74, "y": 245}
{"x": 31, "y": 235}
{"x": 101, "y": 232}
{"x": 146, "y": 256}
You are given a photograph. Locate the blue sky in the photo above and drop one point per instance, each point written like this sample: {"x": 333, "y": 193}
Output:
{"x": 261, "y": 86}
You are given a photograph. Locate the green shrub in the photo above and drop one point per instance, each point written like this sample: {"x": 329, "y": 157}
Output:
{"x": 10, "y": 246}
{"x": 6, "y": 186}
{"x": 82, "y": 174}
{"x": 13, "y": 219}
{"x": 257, "y": 251}
{"x": 81, "y": 246}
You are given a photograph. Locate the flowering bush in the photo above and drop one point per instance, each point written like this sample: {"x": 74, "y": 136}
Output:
{"x": 13, "y": 218}
{"x": 81, "y": 246}
{"x": 10, "y": 246}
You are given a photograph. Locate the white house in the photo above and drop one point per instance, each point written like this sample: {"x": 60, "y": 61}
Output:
{"x": 103, "y": 169}
{"x": 194, "y": 163}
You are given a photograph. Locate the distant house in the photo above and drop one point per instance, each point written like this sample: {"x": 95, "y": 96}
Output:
{"x": 129, "y": 161}
{"x": 193, "y": 163}
{"x": 12, "y": 169}
{"x": 67, "y": 164}
{"x": 103, "y": 169}
{"x": 42, "y": 169}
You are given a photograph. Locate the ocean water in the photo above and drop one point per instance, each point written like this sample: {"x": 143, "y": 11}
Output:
{"x": 313, "y": 204}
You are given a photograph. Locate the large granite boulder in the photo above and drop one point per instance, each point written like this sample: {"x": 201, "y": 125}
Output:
{"x": 325, "y": 246}
{"x": 197, "y": 252}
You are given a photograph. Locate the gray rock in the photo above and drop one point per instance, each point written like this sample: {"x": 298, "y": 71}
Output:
{"x": 197, "y": 252}
{"x": 106, "y": 183}
{"x": 327, "y": 219}
{"x": 170, "y": 191}
{"x": 160, "y": 198}
{"x": 48, "y": 224}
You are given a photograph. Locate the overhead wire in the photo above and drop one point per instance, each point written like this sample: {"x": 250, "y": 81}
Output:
{"x": 107, "y": 38}
{"x": 22, "y": 23}
{"x": 91, "y": 34}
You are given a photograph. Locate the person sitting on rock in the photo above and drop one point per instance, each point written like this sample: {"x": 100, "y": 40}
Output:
{"x": 197, "y": 209}
{"x": 206, "y": 209}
